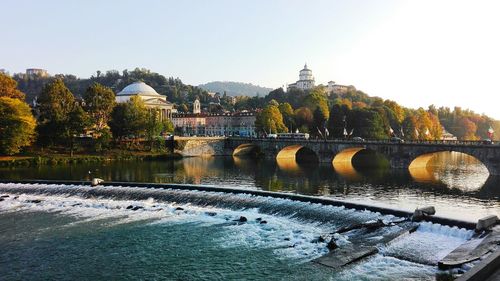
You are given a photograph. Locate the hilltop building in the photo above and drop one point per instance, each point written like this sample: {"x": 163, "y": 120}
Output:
{"x": 151, "y": 98}
{"x": 306, "y": 80}
{"x": 333, "y": 88}
{"x": 36, "y": 72}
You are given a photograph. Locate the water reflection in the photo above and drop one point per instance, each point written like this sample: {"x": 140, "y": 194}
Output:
{"x": 449, "y": 168}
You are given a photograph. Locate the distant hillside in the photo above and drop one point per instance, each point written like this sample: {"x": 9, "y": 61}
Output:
{"x": 235, "y": 88}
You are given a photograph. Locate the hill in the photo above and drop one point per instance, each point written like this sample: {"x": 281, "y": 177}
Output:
{"x": 236, "y": 88}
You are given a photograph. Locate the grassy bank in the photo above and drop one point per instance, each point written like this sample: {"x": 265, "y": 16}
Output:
{"x": 58, "y": 158}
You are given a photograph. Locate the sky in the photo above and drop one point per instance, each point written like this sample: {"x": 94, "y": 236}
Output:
{"x": 441, "y": 52}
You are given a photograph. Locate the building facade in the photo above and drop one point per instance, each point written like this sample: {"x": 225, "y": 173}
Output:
{"x": 333, "y": 88}
{"x": 216, "y": 124}
{"x": 36, "y": 72}
{"x": 151, "y": 98}
{"x": 306, "y": 80}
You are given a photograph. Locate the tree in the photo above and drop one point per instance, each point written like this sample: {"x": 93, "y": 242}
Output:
{"x": 60, "y": 116}
{"x": 288, "y": 115}
{"x": 8, "y": 88}
{"x": 366, "y": 123}
{"x": 338, "y": 119}
{"x": 17, "y": 125}
{"x": 129, "y": 118}
{"x": 270, "y": 120}
{"x": 303, "y": 119}
{"x": 99, "y": 102}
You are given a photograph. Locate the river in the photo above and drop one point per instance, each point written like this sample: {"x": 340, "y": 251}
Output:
{"x": 69, "y": 232}
{"x": 456, "y": 184}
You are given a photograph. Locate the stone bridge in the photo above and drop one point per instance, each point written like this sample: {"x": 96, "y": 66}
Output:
{"x": 399, "y": 155}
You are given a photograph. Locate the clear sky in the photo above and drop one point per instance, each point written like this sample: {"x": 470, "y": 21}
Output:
{"x": 417, "y": 52}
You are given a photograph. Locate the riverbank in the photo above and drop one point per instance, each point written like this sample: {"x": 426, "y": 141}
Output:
{"x": 62, "y": 158}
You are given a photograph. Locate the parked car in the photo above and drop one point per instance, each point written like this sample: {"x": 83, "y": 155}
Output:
{"x": 360, "y": 139}
{"x": 396, "y": 139}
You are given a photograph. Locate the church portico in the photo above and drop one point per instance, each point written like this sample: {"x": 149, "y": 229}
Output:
{"x": 151, "y": 98}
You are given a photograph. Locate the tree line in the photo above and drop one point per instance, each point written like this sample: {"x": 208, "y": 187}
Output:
{"x": 58, "y": 119}
{"x": 354, "y": 113}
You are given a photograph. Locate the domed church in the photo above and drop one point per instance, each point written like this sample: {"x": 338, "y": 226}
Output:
{"x": 306, "y": 80}
{"x": 150, "y": 97}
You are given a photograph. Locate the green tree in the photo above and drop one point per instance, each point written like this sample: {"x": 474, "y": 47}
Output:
{"x": 288, "y": 115}
{"x": 60, "y": 116}
{"x": 8, "y": 88}
{"x": 270, "y": 120}
{"x": 337, "y": 120}
{"x": 99, "y": 102}
{"x": 129, "y": 118}
{"x": 17, "y": 125}
{"x": 366, "y": 123}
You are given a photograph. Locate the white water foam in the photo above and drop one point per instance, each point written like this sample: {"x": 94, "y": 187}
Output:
{"x": 289, "y": 235}
{"x": 429, "y": 244}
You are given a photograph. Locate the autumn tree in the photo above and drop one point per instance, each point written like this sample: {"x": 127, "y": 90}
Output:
{"x": 8, "y": 88}
{"x": 303, "y": 119}
{"x": 288, "y": 115}
{"x": 270, "y": 120}
{"x": 17, "y": 125}
{"x": 99, "y": 102}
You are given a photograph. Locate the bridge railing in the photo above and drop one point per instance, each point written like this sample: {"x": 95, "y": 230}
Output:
{"x": 387, "y": 141}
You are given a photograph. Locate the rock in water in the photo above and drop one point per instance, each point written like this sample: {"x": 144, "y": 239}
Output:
{"x": 263, "y": 222}
{"x": 137, "y": 208}
{"x": 212, "y": 214}
{"x": 179, "y": 209}
{"x": 129, "y": 207}
{"x": 33, "y": 201}
{"x": 241, "y": 219}
{"x": 332, "y": 245}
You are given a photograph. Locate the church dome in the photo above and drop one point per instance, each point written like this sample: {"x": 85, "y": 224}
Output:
{"x": 138, "y": 88}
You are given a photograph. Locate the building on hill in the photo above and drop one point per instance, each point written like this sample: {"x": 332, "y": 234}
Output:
{"x": 151, "y": 98}
{"x": 36, "y": 72}
{"x": 333, "y": 88}
{"x": 306, "y": 80}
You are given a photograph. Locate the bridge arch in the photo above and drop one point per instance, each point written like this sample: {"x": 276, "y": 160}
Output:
{"x": 298, "y": 153}
{"x": 360, "y": 157}
{"x": 422, "y": 161}
{"x": 247, "y": 150}
{"x": 431, "y": 168}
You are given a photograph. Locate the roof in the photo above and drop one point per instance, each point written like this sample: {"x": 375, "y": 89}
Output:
{"x": 138, "y": 88}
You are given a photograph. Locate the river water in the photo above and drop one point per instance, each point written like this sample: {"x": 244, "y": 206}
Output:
{"x": 456, "y": 184}
{"x": 69, "y": 232}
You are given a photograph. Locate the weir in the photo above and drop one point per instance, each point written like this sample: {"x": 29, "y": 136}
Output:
{"x": 367, "y": 234}
{"x": 281, "y": 195}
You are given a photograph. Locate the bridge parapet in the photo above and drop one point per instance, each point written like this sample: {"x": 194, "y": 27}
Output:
{"x": 400, "y": 155}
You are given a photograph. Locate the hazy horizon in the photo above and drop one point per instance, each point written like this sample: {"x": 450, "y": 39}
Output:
{"x": 416, "y": 53}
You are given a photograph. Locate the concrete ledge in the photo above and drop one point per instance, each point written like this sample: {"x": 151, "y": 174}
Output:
{"x": 281, "y": 195}
{"x": 486, "y": 222}
{"x": 484, "y": 269}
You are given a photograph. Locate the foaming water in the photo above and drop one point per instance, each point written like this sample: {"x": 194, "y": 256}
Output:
{"x": 195, "y": 235}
